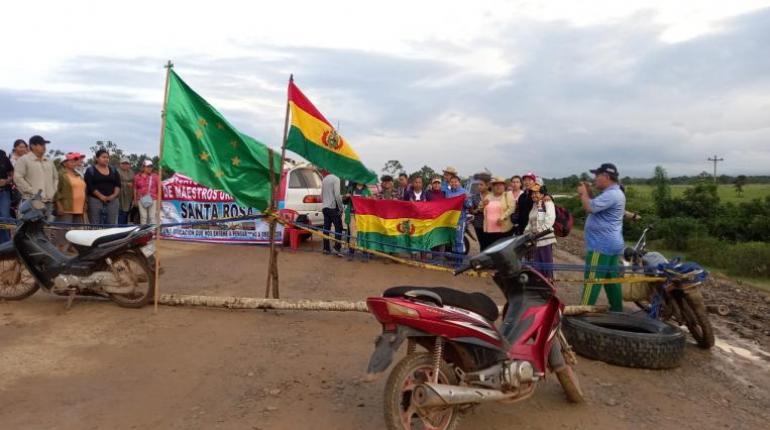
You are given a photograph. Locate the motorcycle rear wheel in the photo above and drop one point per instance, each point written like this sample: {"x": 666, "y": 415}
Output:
{"x": 133, "y": 268}
{"x": 16, "y": 283}
{"x": 400, "y": 414}
{"x": 696, "y": 319}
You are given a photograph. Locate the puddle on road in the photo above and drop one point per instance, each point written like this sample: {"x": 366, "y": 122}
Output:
{"x": 755, "y": 355}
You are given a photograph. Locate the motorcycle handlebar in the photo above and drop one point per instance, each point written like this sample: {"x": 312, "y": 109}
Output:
{"x": 542, "y": 234}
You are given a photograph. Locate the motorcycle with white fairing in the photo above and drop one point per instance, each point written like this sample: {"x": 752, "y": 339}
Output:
{"x": 114, "y": 263}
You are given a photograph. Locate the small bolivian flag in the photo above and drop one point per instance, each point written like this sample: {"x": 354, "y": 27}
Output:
{"x": 200, "y": 143}
{"x": 393, "y": 225}
{"x": 314, "y": 138}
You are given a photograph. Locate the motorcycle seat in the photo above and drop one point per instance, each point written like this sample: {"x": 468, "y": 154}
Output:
{"x": 97, "y": 237}
{"x": 479, "y": 303}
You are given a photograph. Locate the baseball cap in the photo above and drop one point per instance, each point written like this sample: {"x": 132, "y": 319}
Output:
{"x": 37, "y": 140}
{"x": 607, "y": 168}
{"x": 125, "y": 160}
{"x": 147, "y": 163}
{"x": 74, "y": 156}
{"x": 436, "y": 179}
{"x": 530, "y": 175}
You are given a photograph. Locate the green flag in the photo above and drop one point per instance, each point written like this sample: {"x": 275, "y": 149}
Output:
{"x": 201, "y": 144}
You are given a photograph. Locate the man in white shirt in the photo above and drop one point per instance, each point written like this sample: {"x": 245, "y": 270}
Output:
{"x": 332, "y": 211}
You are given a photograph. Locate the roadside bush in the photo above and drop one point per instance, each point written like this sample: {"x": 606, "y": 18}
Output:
{"x": 707, "y": 251}
{"x": 677, "y": 231}
{"x": 748, "y": 259}
{"x": 751, "y": 259}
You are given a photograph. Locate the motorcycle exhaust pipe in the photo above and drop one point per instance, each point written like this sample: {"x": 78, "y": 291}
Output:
{"x": 437, "y": 395}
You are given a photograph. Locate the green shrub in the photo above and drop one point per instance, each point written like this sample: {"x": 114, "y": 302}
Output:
{"x": 707, "y": 251}
{"x": 677, "y": 231}
{"x": 750, "y": 259}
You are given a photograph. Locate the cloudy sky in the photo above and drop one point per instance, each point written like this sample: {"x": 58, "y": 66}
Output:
{"x": 552, "y": 86}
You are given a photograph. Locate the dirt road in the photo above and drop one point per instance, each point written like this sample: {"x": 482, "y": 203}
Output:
{"x": 102, "y": 367}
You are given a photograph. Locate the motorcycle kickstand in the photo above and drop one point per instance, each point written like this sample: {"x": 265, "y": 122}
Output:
{"x": 70, "y": 298}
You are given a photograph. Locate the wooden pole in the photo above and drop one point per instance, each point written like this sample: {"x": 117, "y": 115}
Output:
{"x": 272, "y": 270}
{"x": 286, "y": 124}
{"x": 169, "y": 65}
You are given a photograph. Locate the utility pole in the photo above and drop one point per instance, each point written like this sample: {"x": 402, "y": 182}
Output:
{"x": 715, "y": 160}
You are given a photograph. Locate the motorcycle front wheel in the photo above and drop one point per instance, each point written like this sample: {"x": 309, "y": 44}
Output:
{"x": 16, "y": 283}
{"x": 133, "y": 269}
{"x": 400, "y": 412}
{"x": 696, "y": 318}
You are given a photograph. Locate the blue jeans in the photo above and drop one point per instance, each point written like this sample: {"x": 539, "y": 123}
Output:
{"x": 5, "y": 212}
{"x": 123, "y": 217}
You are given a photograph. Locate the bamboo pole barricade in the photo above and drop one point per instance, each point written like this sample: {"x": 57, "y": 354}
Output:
{"x": 306, "y": 305}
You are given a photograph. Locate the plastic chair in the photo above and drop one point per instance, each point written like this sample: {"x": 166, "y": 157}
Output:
{"x": 291, "y": 233}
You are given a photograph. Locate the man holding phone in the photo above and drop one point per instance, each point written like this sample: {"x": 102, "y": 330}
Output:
{"x": 603, "y": 235}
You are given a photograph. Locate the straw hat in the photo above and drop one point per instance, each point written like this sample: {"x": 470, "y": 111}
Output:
{"x": 497, "y": 180}
{"x": 450, "y": 169}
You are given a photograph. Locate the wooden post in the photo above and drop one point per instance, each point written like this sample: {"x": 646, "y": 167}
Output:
{"x": 272, "y": 265}
{"x": 272, "y": 270}
{"x": 169, "y": 65}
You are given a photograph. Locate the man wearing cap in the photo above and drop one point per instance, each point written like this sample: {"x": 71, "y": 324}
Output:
{"x": 387, "y": 192}
{"x": 603, "y": 235}
{"x": 434, "y": 191}
{"x": 35, "y": 172}
{"x": 126, "y": 197}
{"x": 448, "y": 172}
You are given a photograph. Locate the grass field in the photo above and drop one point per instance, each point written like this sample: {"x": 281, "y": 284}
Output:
{"x": 726, "y": 192}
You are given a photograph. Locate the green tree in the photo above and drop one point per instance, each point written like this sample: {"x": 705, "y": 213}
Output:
{"x": 393, "y": 167}
{"x": 426, "y": 173}
{"x": 739, "y": 182}
{"x": 661, "y": 193}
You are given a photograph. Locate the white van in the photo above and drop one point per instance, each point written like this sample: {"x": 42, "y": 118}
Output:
{"x": 300, "y": 190}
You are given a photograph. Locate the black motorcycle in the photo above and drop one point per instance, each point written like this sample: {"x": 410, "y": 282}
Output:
{"x": 113, "y": 262}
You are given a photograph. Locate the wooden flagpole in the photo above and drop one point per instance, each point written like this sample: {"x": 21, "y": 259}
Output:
{"x": 272, "y": 265}
{"x": 169, "y": 65}
{"x": 272, "y": 275}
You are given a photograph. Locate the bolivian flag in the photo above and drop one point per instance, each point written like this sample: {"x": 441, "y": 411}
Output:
{"x": 397, "y": 226}
{"x": 314, "y": 138}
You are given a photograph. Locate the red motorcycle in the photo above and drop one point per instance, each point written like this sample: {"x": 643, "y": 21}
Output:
{"x": 467, "y": 360}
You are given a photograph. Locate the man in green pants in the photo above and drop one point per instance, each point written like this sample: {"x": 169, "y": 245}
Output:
{"x": 603, "y": 235}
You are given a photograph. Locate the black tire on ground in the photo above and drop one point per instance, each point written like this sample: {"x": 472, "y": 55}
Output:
{"x": 625, "y": 340}
{"x": 696, "y": 318}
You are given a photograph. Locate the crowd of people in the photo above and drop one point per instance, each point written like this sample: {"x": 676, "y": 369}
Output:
{"x": 501, "y": 207}
{"x": 75, "y": 192}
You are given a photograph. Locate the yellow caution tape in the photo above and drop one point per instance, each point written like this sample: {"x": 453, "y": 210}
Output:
{"x": 419, "y": 264}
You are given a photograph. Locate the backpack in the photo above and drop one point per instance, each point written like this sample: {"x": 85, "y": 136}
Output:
{"x": 564, "y": 222}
